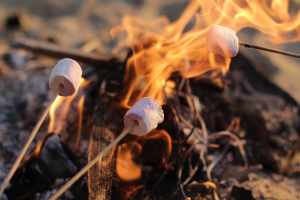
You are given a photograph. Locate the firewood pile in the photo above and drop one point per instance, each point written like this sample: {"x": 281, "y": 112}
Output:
{"x": 230, "y": 129}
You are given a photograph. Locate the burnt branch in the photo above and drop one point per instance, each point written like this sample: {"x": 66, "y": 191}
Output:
{"x": 54, "y": 50}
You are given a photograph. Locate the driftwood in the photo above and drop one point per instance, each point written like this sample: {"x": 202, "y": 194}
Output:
{"x": 54, "y": 50}
{"x": 108, "y": 124}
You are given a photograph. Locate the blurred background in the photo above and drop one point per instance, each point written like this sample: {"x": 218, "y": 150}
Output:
{"x": 86, "y": 25}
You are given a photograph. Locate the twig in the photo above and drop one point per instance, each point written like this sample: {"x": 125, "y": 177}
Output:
{"x": 195, "y": 169}
{"x": 54, "y": 50}
{"x": 215, "y": 161}
{"x": 170, "y": 165}
{"x": 241, "y": 148}
{"x": 192, "y": 105}
{"x": 203, "y": 125}
{"x": 181, "y": 167}
{"x": 213, "y": 164}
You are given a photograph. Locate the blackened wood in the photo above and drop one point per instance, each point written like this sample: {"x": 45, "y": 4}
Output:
{"x": 108, "y": 124}
{"x": 54, "y": 50}
{"x": 40, "y": 169}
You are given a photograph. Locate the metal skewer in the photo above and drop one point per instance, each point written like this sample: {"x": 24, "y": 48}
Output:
{"x": 247, "y": 45}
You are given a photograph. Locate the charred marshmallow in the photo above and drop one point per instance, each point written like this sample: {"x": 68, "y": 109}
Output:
{"x": 147, "y": 112}
{"x": 67, "y": 73}
{"x": 222, "y": 41}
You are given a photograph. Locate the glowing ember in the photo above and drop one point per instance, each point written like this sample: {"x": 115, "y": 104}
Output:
{"x": 127, "y": 169}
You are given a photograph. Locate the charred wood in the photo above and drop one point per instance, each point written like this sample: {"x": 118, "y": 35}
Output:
{"x": 108, "y": 124}
{"x": 39, "y": 171}
{"x": 54, "y": 50}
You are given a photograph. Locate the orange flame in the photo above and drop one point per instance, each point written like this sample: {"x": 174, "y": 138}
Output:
{"x": 80, "y": 110}
{"x": 58, "y": 113}
{"x": 60, "y": 107}
{"x": 161, "y": 48}
{"x": 126, "y": 168}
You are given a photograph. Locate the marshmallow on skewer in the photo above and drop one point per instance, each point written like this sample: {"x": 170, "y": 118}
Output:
{"x": 222, "y": 41}
{"x": 139, "y": 120}
{"x": 67, "y": 73}
{"x": 147, "y": 112}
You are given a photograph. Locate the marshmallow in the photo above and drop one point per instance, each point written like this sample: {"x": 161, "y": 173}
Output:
{"x": 147, "y": 112}
{"x": 222, "y": 41}
{"x": 67, "y": 73}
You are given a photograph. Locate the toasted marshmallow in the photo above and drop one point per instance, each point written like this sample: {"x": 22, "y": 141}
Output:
{"x": 222, "y": 41}
{"x": 147, "y": 112}
{"x": 67, "y": 73}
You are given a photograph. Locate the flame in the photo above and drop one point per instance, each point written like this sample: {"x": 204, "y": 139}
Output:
{"x": 60, "y": 107}
{"x": 58, "y": 113}
{"x": 80, "y": 110}
{"x": 161, "y": 48}
{"x": 127, "y": 169}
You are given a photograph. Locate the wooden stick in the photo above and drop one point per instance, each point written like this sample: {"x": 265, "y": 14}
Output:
{"x": 90, "y": 164}
{"x": 31, "y": 137}
{"x": 54, "y": 50}
{"x": 269, "y": 50}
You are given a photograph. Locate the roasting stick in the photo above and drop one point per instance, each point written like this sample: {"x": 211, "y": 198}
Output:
{"x": 64, "y": 80}
{"x": 90, "y": 164}
{"x": 139, "y": 120}
{"x": 223, "y": 41}
{"x": 31, "y": 137}
{"x": 247, "y": 45}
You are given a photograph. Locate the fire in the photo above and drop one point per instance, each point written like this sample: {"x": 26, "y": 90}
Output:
{"x": 58, "y": 114}
{"x": 60, "y": 107}
{"x": 127, "y": 169}
{"x": 161, "y": 48}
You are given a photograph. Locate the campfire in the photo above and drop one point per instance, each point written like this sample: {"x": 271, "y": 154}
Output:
{"x": 175, "y": 111}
